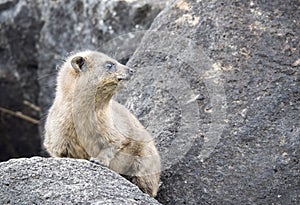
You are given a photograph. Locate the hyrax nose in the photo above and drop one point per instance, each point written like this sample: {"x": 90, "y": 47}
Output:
{"x": 130, "y": 71}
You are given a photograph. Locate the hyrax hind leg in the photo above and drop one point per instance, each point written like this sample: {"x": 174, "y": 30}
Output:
{"x": 139, "y": 162}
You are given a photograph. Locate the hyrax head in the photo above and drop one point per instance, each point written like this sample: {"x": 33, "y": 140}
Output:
{"x": 100, "y": 65}
{"x": 89, "y": 72}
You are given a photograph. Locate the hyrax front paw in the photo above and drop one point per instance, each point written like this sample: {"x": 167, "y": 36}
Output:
{"x": 99, "y": 162}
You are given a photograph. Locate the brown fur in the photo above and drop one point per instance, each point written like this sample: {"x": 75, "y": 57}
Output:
{"x": 84, "y": 122}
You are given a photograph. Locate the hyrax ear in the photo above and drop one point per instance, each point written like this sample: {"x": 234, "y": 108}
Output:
{"x": 78, "y": 63}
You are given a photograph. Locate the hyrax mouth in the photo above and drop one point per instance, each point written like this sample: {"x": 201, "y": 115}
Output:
{"x": 123, "y": 77}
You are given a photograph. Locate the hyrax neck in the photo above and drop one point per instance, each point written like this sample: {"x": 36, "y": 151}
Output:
{"x": 103, "y": 100}
{"x": 89, "y": 109}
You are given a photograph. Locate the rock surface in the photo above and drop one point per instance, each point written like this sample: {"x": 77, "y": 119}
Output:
{"x": 218, "y": 85}
{"x": 65, "y": 181}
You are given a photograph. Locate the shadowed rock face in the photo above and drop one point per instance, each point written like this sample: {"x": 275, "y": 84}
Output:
{"x": 223, "y": 75}
{"x": 65, "y": 181}
{"x": 19, "y": 31}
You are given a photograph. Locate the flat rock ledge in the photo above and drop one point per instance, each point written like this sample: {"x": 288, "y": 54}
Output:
{"x": 40, "y": 180}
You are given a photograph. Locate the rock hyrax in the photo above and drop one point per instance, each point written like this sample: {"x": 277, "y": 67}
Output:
{"x": 84, "y": 122}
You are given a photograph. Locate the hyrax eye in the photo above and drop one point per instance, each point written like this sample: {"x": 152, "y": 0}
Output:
{"x": 111, "y": 67}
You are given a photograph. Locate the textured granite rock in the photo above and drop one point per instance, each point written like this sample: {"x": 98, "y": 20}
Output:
{"x": 65, "y": 181}
{"x": 218, "y": 85}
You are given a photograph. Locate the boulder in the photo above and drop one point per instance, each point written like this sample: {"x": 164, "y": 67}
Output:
{"x": 39, "y": 180}
{"x": 218, "y": 85}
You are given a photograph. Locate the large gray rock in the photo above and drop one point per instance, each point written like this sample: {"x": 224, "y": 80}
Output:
{"x": 65, "y": 181}
{"x": 218, "y": 85}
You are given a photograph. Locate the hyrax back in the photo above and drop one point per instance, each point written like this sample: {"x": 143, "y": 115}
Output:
{"x": 84, "y": 122}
